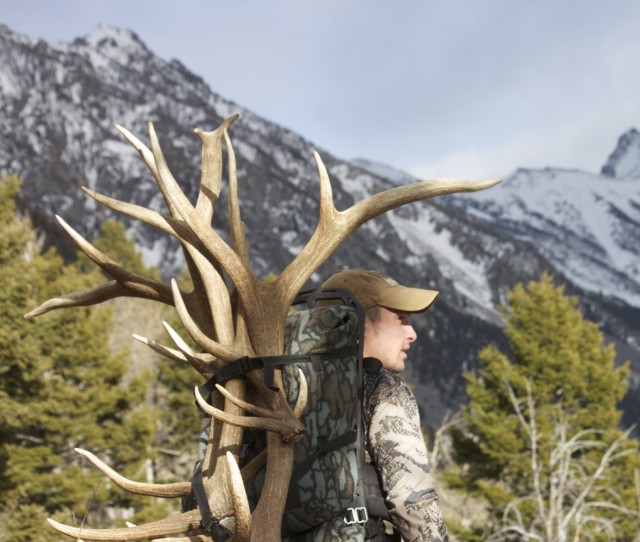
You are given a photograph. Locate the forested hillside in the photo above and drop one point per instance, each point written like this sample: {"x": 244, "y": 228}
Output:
{"x": 68, "y": 380}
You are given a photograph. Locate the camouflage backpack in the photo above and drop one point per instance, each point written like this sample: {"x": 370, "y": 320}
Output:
{"x": 327, "y": 500}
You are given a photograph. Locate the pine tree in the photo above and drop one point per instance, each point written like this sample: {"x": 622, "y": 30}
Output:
{"x": 559, "y": 381}
{"x": 60, "y": 388}
{"x": 175, "y": 447}
{"x": 180, "y": 420}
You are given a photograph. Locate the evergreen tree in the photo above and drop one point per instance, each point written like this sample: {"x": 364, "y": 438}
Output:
{"x": 558, "y": 383}
{"x": 179, "y": 419}
{"x": 60, "y": 388}
{"x": 175, "y": 447}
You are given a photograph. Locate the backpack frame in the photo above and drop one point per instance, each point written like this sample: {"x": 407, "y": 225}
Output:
{"x": 327, "y": 500}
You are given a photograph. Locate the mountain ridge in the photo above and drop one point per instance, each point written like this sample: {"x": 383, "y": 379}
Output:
{"x": 59, "y": 107}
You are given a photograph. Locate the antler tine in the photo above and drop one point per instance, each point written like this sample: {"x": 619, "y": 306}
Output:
{"x": 142, "y": 286}
{"x": 301, "y": 401}
{"x": 212, "y": 285}
{"x": 173, "y": 226}
{"x": 222, "y": 351}
{"x": 273, "y": 421}
{"x": 179, "y": 342}
{"x": 216, "y": 250}
{"x": 240, "y": 501}
{"x": 211, "y": 168}
{"x": 378, "y": 204}
{"x": 168, "y": 491}
{"x": 254, "y": 409}
{"x": 236, "y": 226}
{"x": 303, "y": 394}
{"x": 148, "y": 158}
{"x": 335, "y": 226}
{"x": 92, "y": 296}
{"x": 206, "y": 366}
{"x": 326, "y": 207}
{"x": 187, "y": 523}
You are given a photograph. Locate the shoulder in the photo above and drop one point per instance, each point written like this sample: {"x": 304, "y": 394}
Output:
{"x": 388, "y": 383}
{"x": 386, "y": 389}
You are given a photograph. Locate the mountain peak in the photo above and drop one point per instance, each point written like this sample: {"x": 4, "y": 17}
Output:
{"x": 118, "y": 44}
{"x": 624, "y": 161}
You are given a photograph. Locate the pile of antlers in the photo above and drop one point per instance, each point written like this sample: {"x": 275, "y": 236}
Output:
{"x": 229, "y": 314}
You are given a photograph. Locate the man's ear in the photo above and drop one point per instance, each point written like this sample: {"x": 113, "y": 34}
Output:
{"x": 369, "y": 324}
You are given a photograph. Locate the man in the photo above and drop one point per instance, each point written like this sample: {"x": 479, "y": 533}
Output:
{"x": 395, "y": 445}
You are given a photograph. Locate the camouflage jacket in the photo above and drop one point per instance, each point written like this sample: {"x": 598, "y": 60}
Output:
{"x": 396, "y": 448}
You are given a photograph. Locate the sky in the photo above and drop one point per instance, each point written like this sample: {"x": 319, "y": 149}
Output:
{"x": 456, "y": 88}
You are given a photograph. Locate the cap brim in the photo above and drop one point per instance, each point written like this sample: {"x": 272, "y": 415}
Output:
{"x": 409, "y": 299}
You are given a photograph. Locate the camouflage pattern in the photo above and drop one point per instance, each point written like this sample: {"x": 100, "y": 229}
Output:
{"x": 396, "y": 447}
{"x": 318, "y": 500}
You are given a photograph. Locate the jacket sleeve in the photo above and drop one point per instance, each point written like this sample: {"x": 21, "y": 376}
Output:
{"x": 397, "y": 449}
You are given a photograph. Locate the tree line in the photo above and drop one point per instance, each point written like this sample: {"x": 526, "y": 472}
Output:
{"x": 538, "y": 444}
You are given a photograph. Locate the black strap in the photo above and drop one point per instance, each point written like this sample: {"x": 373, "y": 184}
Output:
{"x": 268, "y": 364}
{"x": 375, "y": 500}
{"x": 311, "y": 297}
{"x": 211, "y": 524}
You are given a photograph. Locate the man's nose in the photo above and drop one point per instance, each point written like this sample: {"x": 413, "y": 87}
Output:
{"x": 410, "y": 333}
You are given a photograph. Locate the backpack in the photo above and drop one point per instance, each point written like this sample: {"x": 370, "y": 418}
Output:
{"x": 327, "y": 499}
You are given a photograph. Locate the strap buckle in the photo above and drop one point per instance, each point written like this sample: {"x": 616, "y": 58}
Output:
{"x": 356, "y": 515}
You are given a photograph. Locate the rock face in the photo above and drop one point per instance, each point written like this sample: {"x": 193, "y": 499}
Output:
{"x": 624, "y": 162}
{"x": 58, "y": 108}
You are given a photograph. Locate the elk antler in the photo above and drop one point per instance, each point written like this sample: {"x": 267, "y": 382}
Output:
{"x": 245, "y": 318}
{"x": 179, "y": 489}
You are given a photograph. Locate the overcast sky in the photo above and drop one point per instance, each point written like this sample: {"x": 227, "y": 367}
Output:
{"x": 455, "y": 88}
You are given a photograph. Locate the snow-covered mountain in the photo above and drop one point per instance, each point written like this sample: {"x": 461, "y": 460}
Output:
{"x": 58, "y": 108}
{"x": 586, "y": 225}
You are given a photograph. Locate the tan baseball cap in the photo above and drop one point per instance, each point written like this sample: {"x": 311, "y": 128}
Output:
{"x": 372, "y": 288}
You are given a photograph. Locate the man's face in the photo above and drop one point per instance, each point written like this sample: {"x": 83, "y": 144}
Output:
{"x": 389, "y": 338}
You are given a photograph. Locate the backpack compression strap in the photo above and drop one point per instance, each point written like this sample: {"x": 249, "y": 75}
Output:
{"x": 210, "y": 523}
{"x": 268, "y": 364}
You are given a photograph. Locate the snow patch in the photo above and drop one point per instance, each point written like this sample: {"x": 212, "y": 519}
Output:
{"x": 422, "y": 237}
{"x": 586, "y": 224}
